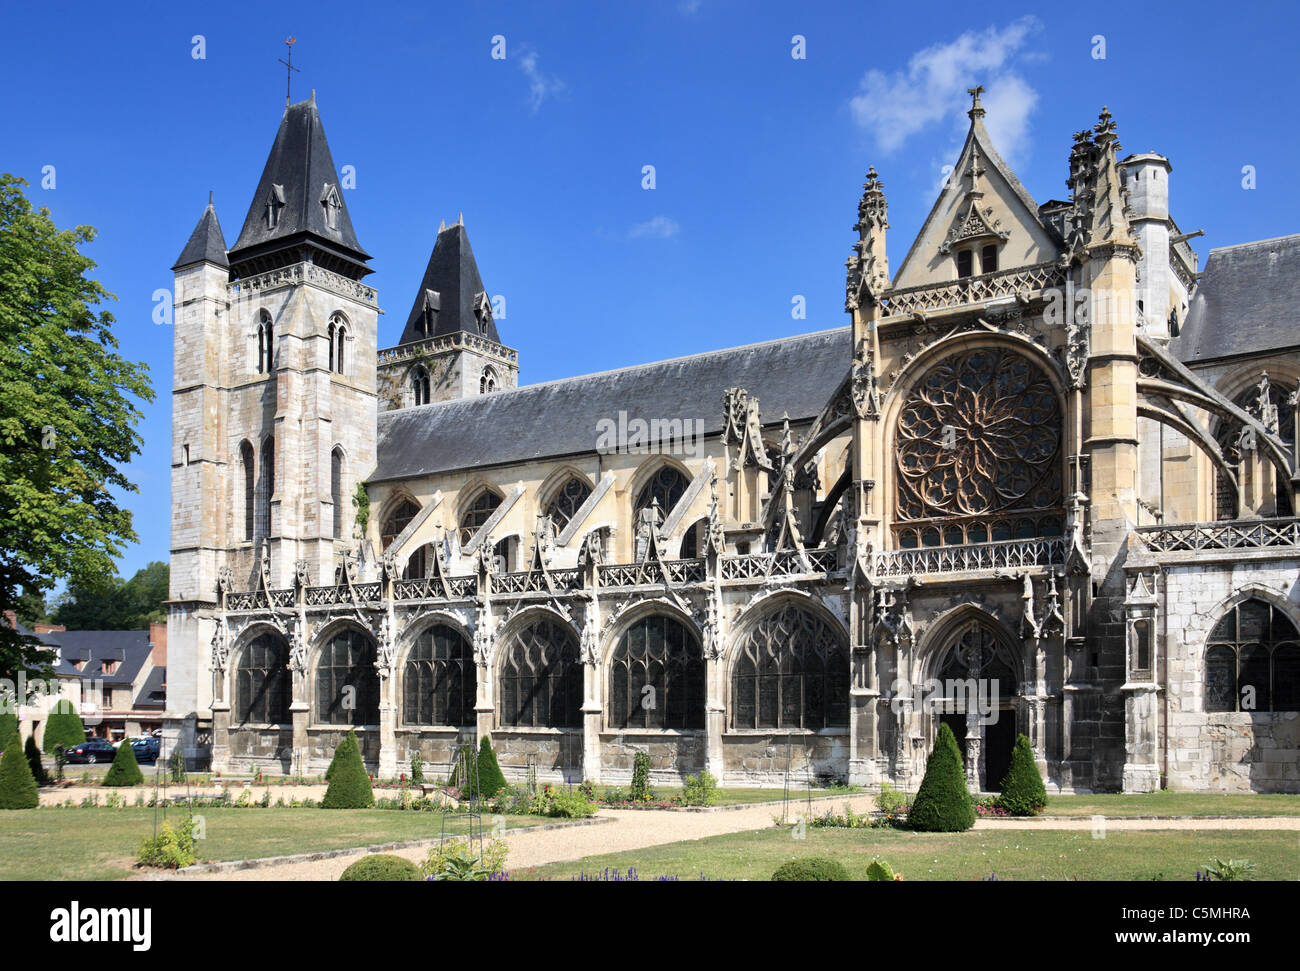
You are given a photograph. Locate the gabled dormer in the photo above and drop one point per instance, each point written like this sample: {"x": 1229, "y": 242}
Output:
{"x": 984, "y": 220}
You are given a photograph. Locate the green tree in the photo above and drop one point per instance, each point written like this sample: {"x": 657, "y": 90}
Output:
{"x": 943, "y": 803}
{"x": 67, "y": 417}
{"x": 63, "y": 728}
{"x": 116, "y": 604}
{"x": 8, "y": 720}
{"x": 17, "y": 787}
{"x": 1023, "y": 792}
{"x": 349, "y": 786}
{"x": 125, "y": 770}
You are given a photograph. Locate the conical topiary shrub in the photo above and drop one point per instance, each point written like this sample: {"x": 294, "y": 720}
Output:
{"x": 33, "y": 754}
{"x": 17, "y": 787}
{"x": 348, "y": 740}
{"x": 8, "y": 720}
{"x": 63, "y": 728}
{"x": 943, "y": 803}
{"x": 349, "y": 786}
{"x": 490, "y": 779}
{"x": 125, "y": 770}
{"x": 1023, "y": 792}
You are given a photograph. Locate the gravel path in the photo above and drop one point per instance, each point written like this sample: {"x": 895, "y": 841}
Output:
{"x": 637, "y": 829}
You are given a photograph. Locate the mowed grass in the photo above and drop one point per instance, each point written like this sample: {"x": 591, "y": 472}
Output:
{"x": 1174, "y": 804}
{"x": 1018, "y": 855}
{"x": 100, "y": 844}
{"x": 736, "y": 797}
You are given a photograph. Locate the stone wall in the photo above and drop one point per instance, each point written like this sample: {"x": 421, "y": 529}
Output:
{"x": 1223, "y": 751}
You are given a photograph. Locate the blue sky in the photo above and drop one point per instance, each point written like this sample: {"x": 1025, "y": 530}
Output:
{"x": 759, "y": 156}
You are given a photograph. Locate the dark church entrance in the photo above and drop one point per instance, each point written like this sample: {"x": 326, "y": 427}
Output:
{"x": 999, "y": 739}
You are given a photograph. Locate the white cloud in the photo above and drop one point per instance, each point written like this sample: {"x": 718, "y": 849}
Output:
{"x": 893, "y": 107}
{"x": 660, "y": 227}
{"x": 689, "y": 7}
{"x": 540, "y": 86}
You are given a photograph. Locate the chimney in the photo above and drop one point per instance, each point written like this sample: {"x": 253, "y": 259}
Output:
{"x": 49, "y": 628}
{"x": 11, "y": 620}
{"x": 158, "y": 639}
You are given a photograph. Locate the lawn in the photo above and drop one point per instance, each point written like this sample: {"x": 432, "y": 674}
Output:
{"x": 735, "y": 797}
{"x": 1018, "y": 855}
{"x": 1174, "y": 804}
{"x": 100, "y": 844}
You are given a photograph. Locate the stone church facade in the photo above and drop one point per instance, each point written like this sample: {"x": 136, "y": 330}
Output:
{"x": 1043, "y": 483}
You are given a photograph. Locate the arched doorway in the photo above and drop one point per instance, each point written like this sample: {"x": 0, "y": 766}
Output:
{"x": 978, "y": 681}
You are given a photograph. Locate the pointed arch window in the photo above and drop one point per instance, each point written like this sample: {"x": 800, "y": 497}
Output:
{"x": 420, "y": 386}
{"x": 266, "y": 487}
{"x": 401, "y": 516}
{"x": 338, "y": 335}
{"x": 541, "y": 677}
{"x": 331, "y": 203}
{"x": 566, "y": 501}
{"x": 656, "y": 677}
{"x": 265, "y": 343}
{"x": 477, "y": 513}
{"x": 250, "y": 487}
{"x": 792, "y": 671}
{"x": 668, "y": 485}
{"x": 263, "y": 684}
{"x": 440, "y": 680}
{"x": 1229, "y": 437}
{"x": 336, "y": 490}
{"x": 487, "y": 382}
{"x": 1252, "y": 661}
{"x": 347, "y": 684}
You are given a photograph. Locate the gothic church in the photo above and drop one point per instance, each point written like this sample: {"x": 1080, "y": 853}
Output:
{"x": 1047, "y": 457}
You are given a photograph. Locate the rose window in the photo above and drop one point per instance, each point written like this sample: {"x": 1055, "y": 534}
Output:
{"x": 979, "y": 442}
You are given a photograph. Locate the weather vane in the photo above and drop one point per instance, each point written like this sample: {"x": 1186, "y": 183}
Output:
{"x": 289, "y": 68}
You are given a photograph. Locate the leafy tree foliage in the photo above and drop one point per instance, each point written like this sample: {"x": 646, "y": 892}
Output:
{"x": 115, "y": 604}
{"x": 67, "y": 417}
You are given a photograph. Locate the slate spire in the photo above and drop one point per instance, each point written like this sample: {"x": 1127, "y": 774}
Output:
{"x": 298, "y": 212}
{"x": 207, "y": 244}
{"x": 451, "y": 297}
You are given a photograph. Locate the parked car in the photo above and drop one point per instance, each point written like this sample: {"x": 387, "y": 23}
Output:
{"x": 146, "y": 749}
{"x": 92, "y": 750}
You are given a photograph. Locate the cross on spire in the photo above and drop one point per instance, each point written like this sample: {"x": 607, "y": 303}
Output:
{"x": 976, "y": 109}
{"x": 288, "y": 69}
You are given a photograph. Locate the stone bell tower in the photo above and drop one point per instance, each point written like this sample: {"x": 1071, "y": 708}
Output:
{"x": 273, "y": 417}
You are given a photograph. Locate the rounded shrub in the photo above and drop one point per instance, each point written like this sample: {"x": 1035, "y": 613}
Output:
{"x": 382, "y": 866}
{"x": 943, "y": 803}
{"x": 1023, "y": 792}
{"x": 125, "y": 770}
{"x": 811, "y": 868}
{"x": 349, "y": 786}
{"x": 63, "y": 728}
{"x": 17, "y": 786}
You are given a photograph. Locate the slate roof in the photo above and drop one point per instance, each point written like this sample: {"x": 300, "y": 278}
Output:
{"x": 1245, "y": 302}
{"x": 451, "y": 285}
{"x": 153, "y": 692}
{"x": 794, "y": 375}
{"x": 129, "y": 647}
{"x": 206, "y": 244}
{"x": 297, "y": 174}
